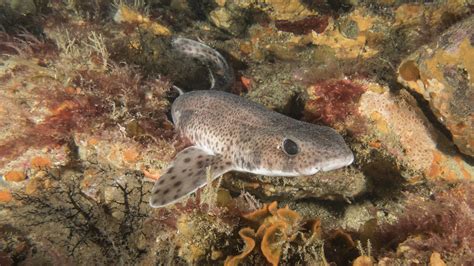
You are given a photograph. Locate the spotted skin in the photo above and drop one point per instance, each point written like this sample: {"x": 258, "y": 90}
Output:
{"x": 231, "y": 133}
{"x": 185, "y": 175}
{"x": 222, "y": 75}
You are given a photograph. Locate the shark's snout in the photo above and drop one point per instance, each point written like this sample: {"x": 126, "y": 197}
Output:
{"x": 338, "y": 162}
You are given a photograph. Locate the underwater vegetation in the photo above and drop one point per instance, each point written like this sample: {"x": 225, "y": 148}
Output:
{"x": 85, "y": 93}
{"x": 439, "y": 224}
{"x": 332, "y": 100}
{"x": 62, "y": 216}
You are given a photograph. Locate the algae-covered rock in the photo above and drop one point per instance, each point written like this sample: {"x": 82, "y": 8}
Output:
{"x": 392, "y": 135}
{"x": 127, "y": 15}
{"x": 336, "y": 185}
{"x": 230, "y": 19}
{"x": 199, "y": 234}
{"x": 275, "y": 90}
{"x": 24, "y": 6}
{"x": 58, "y": 111}
{"x": 442, "y": 73}
{"x": 286, "y": 9}
{"x": 356, "y": 215}
{"x": 111, "y": 148}
{"x": 28, "y": 117}
{"x": 353, "y": 35}
{"x": 397, "y": 128}
{"x": 436, "y": 15}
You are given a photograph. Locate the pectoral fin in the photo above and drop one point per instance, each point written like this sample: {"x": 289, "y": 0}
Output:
{"x": 186, "y": 174}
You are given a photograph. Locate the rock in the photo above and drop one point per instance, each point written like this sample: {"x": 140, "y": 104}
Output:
{"x": 40, "y": 162}
{"x": 267, "y": 88}
{"x": 435, "y": 260}
{"x": 436, "y": 15}
{"x": 391, "y": 134}
{"x": 349, "y": 35}
{"x": 125, "y": 14}
{"x": 356, "y": 215}
{"x": 5, "y": 196}
{"x": 363, "y": 261}
{"x": 286, "y": 9}
{"x": 271, "y": 44}
{"x": 28, "y": 126}
{"x": 231, "y": 19}
{"x": 15, "y": 176}
{"x": 91, "y": 184}
{"x": 33, "y": 186}
{"x": 442, "y": 73}
{"x": 23, "y": 7}
{"x": 198, "y": 233}
{"x": 398, "y": 128}
{"x": 339, "y": 184}
{"x": 111, "y": 148}
{"x": 130, "y": 155}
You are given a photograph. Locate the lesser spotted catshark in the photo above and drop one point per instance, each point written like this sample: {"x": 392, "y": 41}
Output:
{"x": 231, "y": 133}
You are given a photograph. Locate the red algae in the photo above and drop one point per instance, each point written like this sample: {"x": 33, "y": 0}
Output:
{"x": 92, "y": 108}
{"x": 332, "y": 101}
{"x": 27, "y": 44}
{"x": 304, "y": 26}
{"x": 442, "y": 223}
{"x": 54, "y": 130}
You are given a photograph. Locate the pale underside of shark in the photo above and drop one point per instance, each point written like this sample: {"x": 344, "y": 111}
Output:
{"x": 231, "y": 133}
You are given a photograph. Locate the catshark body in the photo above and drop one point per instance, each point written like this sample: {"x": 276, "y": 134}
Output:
{"x": 231, "y": 133}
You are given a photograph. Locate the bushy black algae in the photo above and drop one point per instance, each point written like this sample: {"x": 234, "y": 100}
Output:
{"x": 80, "y": 228}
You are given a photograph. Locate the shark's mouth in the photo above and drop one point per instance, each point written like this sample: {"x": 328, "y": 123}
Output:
{"x": 327, "y": 166}
{"x": 338, "y": 163}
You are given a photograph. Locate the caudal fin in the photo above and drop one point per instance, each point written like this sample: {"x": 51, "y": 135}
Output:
{"x": 221, "y": 74}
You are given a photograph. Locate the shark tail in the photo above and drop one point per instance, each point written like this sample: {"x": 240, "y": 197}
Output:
{"x": 220, "y": 73}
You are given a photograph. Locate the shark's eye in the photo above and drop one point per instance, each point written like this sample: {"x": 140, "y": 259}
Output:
{"x": 290, "y": 147}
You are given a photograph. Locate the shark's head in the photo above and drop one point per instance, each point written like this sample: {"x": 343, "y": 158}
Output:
{"x": 303, "y": 149}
